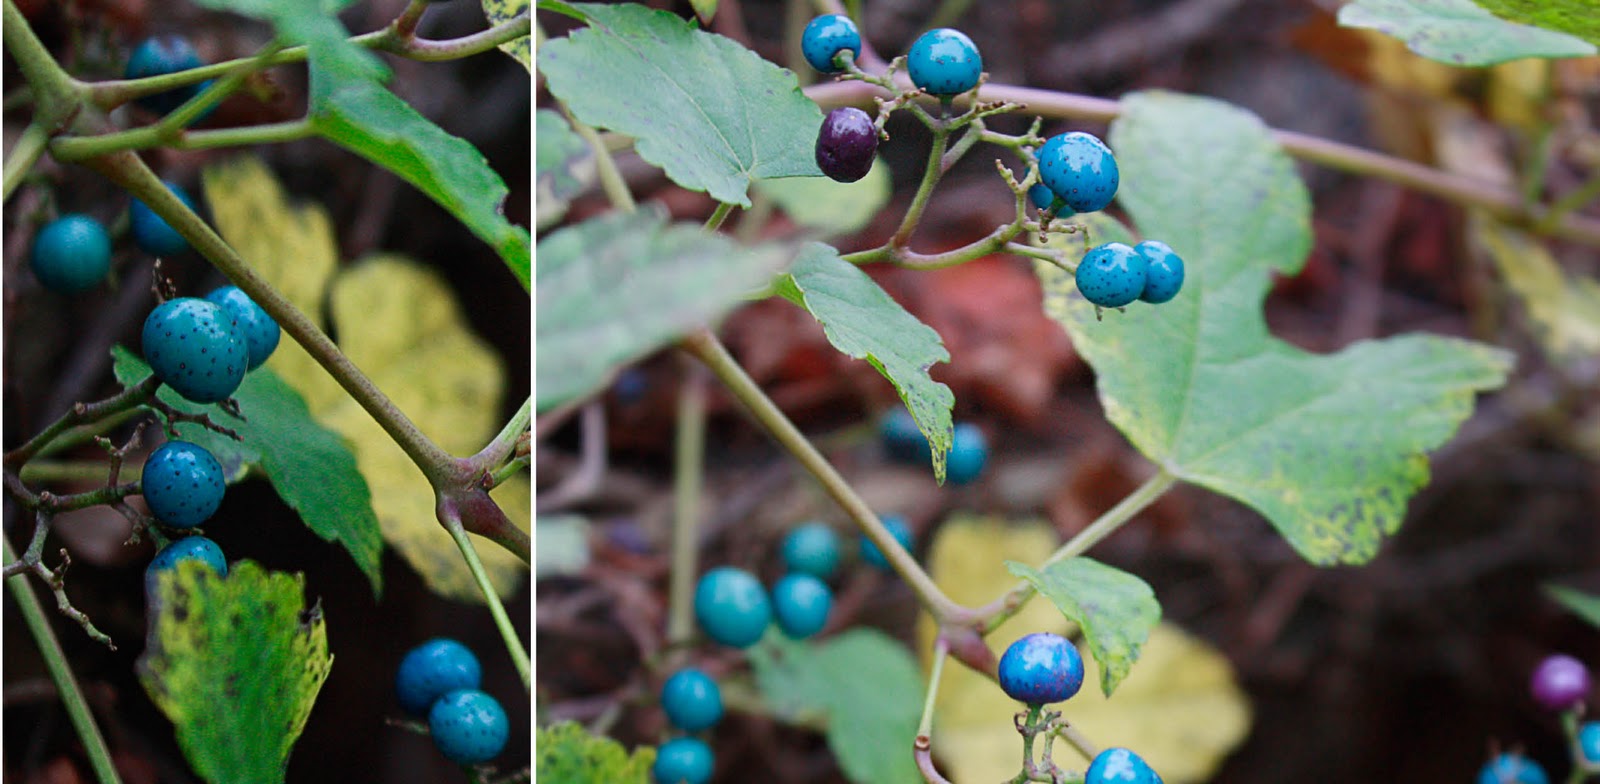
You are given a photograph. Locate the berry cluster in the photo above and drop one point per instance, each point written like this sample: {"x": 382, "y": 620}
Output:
{"x": 183, "y": 485}
{"x": 203, "y": 347}
{"x": 439, "y": 680}
{"x": 1560, "y": 684}
{"x": 159, "y": 56}
{"x": 734, "y": 609}
{"x": 905, "y": 443}
{"x": 1113, "y": 274}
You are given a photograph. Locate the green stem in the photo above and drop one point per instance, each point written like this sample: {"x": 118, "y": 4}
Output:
{"x": 688, "y": 476}
{"x": 1028, "y": 736}
{"x": 55, "y": 661}
{"x": 29, "y": 147}
{"x": 493, "y": 456}
{"x": 77, "y": 148}
{"x": 451, "y": 518}
{"x": 718, "y": 215}
{"x": 999, "y": 611}
{"x": 129, "y": 399}
{"x": 1569, "y": 203}
{"x": 68, "y": 471}
{"x": 941, "y": 652}
{"x": 705, "y": 347}
{"x": 611, "y": 180}
{"x": 930, "y": 178}
{"x": 57, "y": 96}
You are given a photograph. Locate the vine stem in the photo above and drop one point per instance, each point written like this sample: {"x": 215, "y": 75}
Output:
{"x": 688, "y": 475}
{"x": 29, "y": 147}
{"x": 930, "y": 178}
{"x": 450, "y": 516}
{"x": 504, "y": 443}
{"x": 55, "y": 661}
{"x": 941, "y": 651}
{"x": 704, "y": 346}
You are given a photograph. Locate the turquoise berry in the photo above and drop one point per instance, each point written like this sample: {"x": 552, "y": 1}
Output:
{"x": 432, "y": 669}
{"x": 812, "y": 549}
{"x": 1080, "y": 169}
{"x": 801, "y": 603}
{"x": 902, "y": 439}
{"x": 1043, "y": 198}
{"x": 182, "y": 484}
{"x": 1112, "y": 275}
{"x": 683, "y": 761}
{"x": 188, "y": 548}
{"x": 159, "y": 56}
{"x": 1163, "y": 276}
{"x": 1120, "y": 766}
{"x": 825, "y": 37}
{"x": 1589, "y": 742}
{"x": 899, "y": 529}
{"x": 468, "y": 726}
{"x": 261, "y": 332}
{"x": 969, "y": 451}
{"x": 691, "y": 699}
{"x": 1512, "y": 769}
{"x": 152, "y": 234}
{"x": 1040, "y": 669}
{"x": 71, "y": 254}
{"x": 197, "y": 348}
{"x": 944, "y": 62}
{"x": 732, "y": 607}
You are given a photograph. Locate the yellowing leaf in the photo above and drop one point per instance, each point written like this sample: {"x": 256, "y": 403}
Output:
{"x": 1564, "y": 310}
{"x": 505, "y": 10}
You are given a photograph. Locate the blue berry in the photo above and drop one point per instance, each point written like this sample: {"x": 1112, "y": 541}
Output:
{"x": 812, "y": 549}
{"x": 1043, "y": 198}
{"x": 152, "y": 234}
{"x": 1080, "y": 169}
{"x": 732, "y": 607}
{"x": 1163, "y": 276}
{"x": 433, "y": 668}
{"x": 161, "y": 55}
{"x": 197, "y": 348}
{"x": 1040, "y": 669}
{"x": 71, "y": 254}
{"x": 691, "y": 700}
{"x": 1512, "y": 769}
{"x": 468, "y": 726}
{"x": 1589, "y": 742}
{"x": 846, "y": 144}
{"x": 682, "y": 761}
{"x": 261, "y": 332}
{"x": 182, "y": 484}
{"x": 801, "y": 603}
{"x": 1119, "y": 766}
{"x": 899, "y": 529}
{"x": 1112, "y": 275}
{"x": 944, "y": 62}
{"x": 902, "y": 439}
{"x": 969, "y": 451}
{"x": 825, "y": 37}
{"x": 188, "y": 548}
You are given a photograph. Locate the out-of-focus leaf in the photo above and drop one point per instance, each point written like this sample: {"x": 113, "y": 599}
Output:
{"x": 562, "y": 164}
{"x": 828, "y": 206}
{"x": 1577, "y": 17}
{"x": 570, "y": 755}
{"x": 563, "y": 546}
{"x": 1584, "y": 605}
{"x": 1459, "y": 32}
{"x": 1564, "y": 310}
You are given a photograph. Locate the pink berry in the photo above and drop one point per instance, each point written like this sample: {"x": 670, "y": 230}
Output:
{"x": 1560, "y": 683}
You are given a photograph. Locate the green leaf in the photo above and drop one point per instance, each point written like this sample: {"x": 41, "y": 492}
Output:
{"x": 618, "y": 287}
{"x": 1115, "y": 610}
{"x": 865, "y": 686}
{"x": 863, "y": 321}
{"x": 563, "y": 166}
{"x": 235, "y": 663}
{"x": 563, "y": 546}
{"x": 710, "y": 112}
{"x": 828, "y": 206}
{"x": 705, "y": 9}
{"x": 1458, "y": 32}
{"x": 1584, "y": 605}
{"x": 1579, "y": 17}
{"x": 1328, "y": 447}
{"x": 309, "y": 466}
{"x": 569, "y": 754}
{"x": 499, "y": 11}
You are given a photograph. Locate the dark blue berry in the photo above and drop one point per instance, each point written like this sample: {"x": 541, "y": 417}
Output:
{"x": 1512, "y": 769}
{"x": 71, "y": 254}
{"x": 197, "y": 348}
{"x": 846, "y": 144}
{"x": 1120, "y": 766}
{"x": 944, "y": 62}
{"x": 732, "y": 606}
{"x": 825, "y": 37}
{"x": 1112, "y": 275}
{"x": 969, "y": 451}
{"x": 182, "y": 484}
{"x": 683, "y": 761}
{"x": 261, "y": 332}
{"x": 468, "y": 726}
{"x": 151, "y": 233}
{"x": 188, "y": 548}
{"x": 161, "y": 55}
{"x": 899, "y": 529}
{"x": 801, "y": 603}
{"x": 1163, "y": 276}
{"x": 431, "y": 669}
{"x": 691, "y": 699}
{"x": 1080, "y": 169}
{"x": 1040, "y": 669}
{"x": 902, "y": 439}
{"x": 812, "y": 549}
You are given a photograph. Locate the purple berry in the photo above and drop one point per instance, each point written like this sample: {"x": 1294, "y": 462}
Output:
{"x": 846, "y": 144}
{"x": 1560, "y": 683}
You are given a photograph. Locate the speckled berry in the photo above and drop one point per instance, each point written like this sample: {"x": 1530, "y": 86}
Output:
{"x": 151, "y": 233}
{"x": 811, "y": 549}
{"x": 1043, "y": 199}
{"x": 1512, "y": 769}
{"x": 159, "y": 56}
{"x": 1080, "y": 169}
{"x": 732, "y": 606}
{"x": 188, "y": 548}
{"x": 261, "y": 332}
{"x": 71, "y": 254}
{"x": 691, "y": 700}
{"x": 846, "y": 144}
{"x": 899, "y": 529}
{"x": 801, "y": 603}
{"x": 825, "y": 37}
{"x": 1040, "y": 669}
{"x": 1112, "y": 275}
{"x": 197, "y": 348}
{"x": 944, "y": 62}
{"x": 1560, "y": 683}
{"x": 1163, "y": 275}
{"x": 1120, "y": 766}
{"x": 182, "y": 484}
{"x": 683, "y": 761}
{"x": 432, "y": 669}
{"x": 468, "y": 726}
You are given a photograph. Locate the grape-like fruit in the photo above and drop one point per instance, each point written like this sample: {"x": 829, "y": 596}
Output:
{"x": 846, "y": 144}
